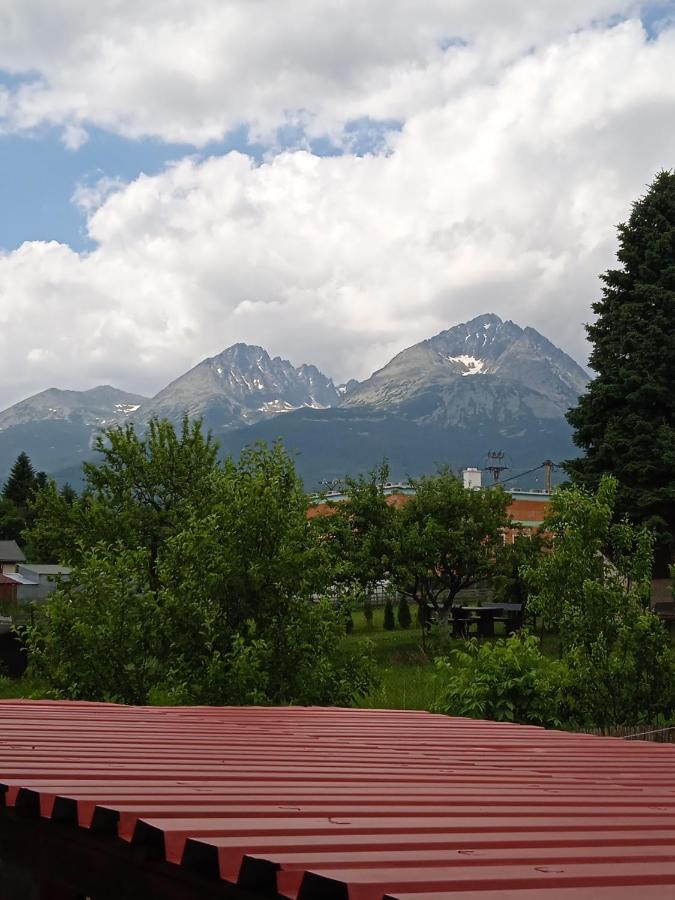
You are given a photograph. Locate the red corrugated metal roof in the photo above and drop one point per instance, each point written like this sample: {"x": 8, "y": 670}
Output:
{"x": 354, "y": 804}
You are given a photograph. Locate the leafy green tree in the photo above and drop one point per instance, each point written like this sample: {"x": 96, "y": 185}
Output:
{"x": 12, "y": 521}
{"x": 510, "y": 583}
{"x": 447, "y": 538}
{"x": 133, "y": 497}
{"x": 597, "y": 570}
{"x": 242, "y": 578}
{"x": 224, "y": 571}
{"x": 593, "y": 588}
{"x": 404, "y": 617}
{"x": 625, "y": 422}
{"x": 21, "y": 483}
{"x": 357, "y": 531}
{"x": 389, "y": 623}
{"x": 99, "y": 640}
{"x": 53, "y": 528}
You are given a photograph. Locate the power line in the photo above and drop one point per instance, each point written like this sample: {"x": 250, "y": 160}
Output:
{"x": 547, "y": 464}
{"x": 521, "y": 474}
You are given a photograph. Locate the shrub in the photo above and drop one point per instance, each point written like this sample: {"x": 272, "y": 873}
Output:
{"x": 389, "y": 622}
{"x": 508, "y": 680}
{"x": 404, "y": 617}
{"x": 629, "y": 680}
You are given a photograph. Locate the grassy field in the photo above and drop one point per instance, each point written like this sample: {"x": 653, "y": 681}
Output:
{"x": 15, "y": 688}
{"x": 407, "y": 675}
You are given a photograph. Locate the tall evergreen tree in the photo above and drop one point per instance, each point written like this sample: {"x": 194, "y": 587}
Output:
{"x": 404, "y": 617}
{"x": 21, "y": 484}
{"x": 625, "y": 422}
{"x": 389, "y": 621}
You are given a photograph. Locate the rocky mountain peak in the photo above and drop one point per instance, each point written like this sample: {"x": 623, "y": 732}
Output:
{"x": 485, "y": 355}
{"x": 239, "y": 386}
{"x": 99, "y": 406}
{"x": 485, "y": 382}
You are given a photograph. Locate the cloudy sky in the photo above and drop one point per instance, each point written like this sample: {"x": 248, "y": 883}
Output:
{"x": 332, "y": 179}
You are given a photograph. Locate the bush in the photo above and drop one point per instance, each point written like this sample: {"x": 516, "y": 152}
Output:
{"x": 404, "y": 617}
{"x": 368, "y": 612}
{"x": 629, "y": 680}
{"x": 389, "y": 622}
{"x": 509, "y": 680}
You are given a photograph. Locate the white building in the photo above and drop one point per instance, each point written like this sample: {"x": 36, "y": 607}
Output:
{"x": 36, "y": 581}
{"x": 473, "y": 479}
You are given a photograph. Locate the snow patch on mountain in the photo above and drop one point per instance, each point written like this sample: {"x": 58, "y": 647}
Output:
{"x": 473, "y": 366}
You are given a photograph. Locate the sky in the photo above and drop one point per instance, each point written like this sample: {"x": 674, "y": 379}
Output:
{"x": 333, "y": 181}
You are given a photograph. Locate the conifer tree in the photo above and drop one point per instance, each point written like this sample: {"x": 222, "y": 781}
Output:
{"x": 21, "y": 484}
{"x": 625, "y": 422}
{"x": 69, "y": 493}
{"x": 389, "y": 622}
{"x": 404, "y": 617}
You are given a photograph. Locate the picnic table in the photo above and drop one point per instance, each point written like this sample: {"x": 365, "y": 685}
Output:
{"x": 484, "y": 617}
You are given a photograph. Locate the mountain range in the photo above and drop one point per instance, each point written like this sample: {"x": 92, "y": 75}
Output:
{"x": 477, "y": 386}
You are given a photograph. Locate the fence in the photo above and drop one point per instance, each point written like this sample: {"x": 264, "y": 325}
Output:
{"x": 658, "y": 734}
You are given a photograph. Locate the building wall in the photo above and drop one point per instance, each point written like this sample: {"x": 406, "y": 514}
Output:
{"x": 527, "y": 511}
{"x": 8, "y": 593}
{"x": 27, "y": 593}
{"x": 43, "y": 585}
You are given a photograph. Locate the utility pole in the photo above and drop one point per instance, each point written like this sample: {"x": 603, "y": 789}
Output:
{"x": 496, "y": 464}
{"x": 333, "y": 484}
{"x": 548, "y": 465}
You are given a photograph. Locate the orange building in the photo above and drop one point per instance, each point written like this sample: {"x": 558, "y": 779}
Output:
{"x": 527, "y": 508}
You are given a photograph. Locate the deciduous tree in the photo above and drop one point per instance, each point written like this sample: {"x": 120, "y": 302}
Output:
{"x": 218, "y": 569}
{"x": 593, "y": 588}
{"x": 447, "y": 538}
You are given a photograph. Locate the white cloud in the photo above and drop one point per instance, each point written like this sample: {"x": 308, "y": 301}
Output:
{"x": 499, "y": 195}
{"x": 191, "y": 72}
{"x": 74, "y": 136}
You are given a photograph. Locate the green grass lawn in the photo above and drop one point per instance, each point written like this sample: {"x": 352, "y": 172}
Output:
{"x": 407, "y": 675}
{"x": 15, "y": 688}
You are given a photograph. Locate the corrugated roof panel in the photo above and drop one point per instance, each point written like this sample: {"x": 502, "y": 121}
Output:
{"x": 352, "y": 804}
